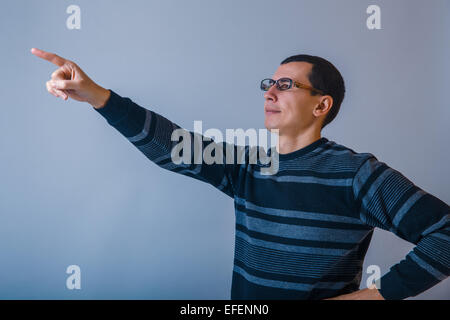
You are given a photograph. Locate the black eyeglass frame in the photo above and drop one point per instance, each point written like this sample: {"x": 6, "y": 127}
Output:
{"x": 291, "y": 82}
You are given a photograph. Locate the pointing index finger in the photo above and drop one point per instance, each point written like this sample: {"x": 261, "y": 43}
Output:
{"x": 51, "y": 57}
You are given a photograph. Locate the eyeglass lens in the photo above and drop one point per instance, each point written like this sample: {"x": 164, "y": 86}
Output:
{"x": 283, "y": 84}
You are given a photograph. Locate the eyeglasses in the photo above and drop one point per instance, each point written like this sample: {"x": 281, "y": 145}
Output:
{"x": 285, "y": 84}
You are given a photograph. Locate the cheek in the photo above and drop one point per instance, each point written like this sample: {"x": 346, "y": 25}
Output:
{"x": 300, "y": 108}
{"x": 292, "y": 112}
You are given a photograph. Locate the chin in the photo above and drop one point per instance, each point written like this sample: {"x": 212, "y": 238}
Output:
{"x": 271, "y": 127}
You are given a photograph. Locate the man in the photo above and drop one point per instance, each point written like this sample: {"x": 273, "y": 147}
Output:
{"x": 303, "y": 232}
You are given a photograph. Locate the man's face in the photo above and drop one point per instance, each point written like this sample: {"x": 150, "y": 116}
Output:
{"x": 293, "y": 108}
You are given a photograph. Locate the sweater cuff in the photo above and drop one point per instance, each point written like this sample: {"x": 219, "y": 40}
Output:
{"x": 391, "y": 287}
{"x": 113, "y": 112}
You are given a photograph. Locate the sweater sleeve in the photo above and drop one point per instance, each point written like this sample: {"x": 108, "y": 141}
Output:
{"x": 151, "y": 133}
{"x": 388, "y": 200}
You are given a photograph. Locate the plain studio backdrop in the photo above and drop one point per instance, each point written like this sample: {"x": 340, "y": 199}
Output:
{"x": 75, "y": 192}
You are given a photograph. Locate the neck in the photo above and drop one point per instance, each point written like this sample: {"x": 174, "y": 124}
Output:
{"x": 290, "y": 143}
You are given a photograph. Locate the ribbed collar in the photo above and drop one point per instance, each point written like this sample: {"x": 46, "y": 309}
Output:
{"x": 300, "y": 152}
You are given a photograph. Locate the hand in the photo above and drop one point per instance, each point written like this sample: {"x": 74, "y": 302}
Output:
{"x": 370, "y": 293}
{"x": 69, "y": 81}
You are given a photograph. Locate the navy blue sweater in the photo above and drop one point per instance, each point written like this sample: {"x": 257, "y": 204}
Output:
{"x": 303, "y": 232}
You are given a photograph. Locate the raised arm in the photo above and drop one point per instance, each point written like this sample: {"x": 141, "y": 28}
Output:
{"x": 148, "y": 131}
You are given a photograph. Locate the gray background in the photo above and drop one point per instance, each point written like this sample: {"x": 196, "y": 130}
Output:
{"x": 74, "y": 191}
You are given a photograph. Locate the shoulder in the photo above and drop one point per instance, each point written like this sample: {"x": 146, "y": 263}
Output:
{"x": 337, "y": 154}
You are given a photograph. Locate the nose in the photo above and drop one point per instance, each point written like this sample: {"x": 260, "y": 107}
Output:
{"x": 271, "y": 93}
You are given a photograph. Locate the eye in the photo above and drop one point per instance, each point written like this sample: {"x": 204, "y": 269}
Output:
{"x": 284, "y": 84}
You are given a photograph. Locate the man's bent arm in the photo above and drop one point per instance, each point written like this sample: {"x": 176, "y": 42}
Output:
{"x": 388, "y": 200}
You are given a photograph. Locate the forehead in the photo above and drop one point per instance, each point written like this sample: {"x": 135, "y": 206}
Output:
{"x": 295, "y": 70}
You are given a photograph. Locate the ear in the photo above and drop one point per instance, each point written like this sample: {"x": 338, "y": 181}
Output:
{"x": 324, "y": 106}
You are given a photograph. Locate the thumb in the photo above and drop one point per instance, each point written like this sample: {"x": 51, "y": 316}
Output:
{"x": 65, "y": 84}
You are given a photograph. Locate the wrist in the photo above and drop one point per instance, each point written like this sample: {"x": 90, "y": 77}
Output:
{"x": 101, "y": 97}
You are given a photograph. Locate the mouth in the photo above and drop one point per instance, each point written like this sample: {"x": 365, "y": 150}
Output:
{"x": 269, "y": 111}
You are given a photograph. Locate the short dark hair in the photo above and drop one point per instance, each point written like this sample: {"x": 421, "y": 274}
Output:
{"x": 325, "y": 77}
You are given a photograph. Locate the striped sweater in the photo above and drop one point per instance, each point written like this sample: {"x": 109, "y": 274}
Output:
{"x": 303, "y": 232}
